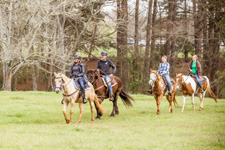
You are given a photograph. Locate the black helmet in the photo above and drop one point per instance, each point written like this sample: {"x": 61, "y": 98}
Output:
{"x": 77, "y": 57}
{"x": 104, "y": 53}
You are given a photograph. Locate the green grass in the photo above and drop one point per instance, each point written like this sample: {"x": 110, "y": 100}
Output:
{"x": 34, "y": 120}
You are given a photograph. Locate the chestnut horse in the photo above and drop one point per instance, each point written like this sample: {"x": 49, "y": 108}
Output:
{"x": 188, "y": 86}
{"x": 100, "y": 90}
{"x": 159, "y": 90}
{"x": 71, "y": 95}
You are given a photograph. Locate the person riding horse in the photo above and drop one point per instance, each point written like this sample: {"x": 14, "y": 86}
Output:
{"x": 164, "y": 71}
{"x": 77, "y": 73}
{"x": 103, "y": 66}
{"x": 196, "y": 69}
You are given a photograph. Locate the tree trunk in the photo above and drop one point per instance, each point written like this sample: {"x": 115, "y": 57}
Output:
{"x": 169, "y": 29}
{"x": 136, "y": 63}
{"x": 152, "y": 56}
{"x": 198, "y": 19}
{"x": 148, "y": 38}
{"x": 8, "y": 81}
{"x": 34, "y": 78}
{"x": 205, "y": 61}
{"x": 173, "y": 40}
{"x": 186, "y": 32}
{"x": 122, "y": 20}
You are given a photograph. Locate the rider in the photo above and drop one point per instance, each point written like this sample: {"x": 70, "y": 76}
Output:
{"x": 196, "y": 69}
{"x": 103, "y": 66}
{"x": 164, "y": 68}
{"x": 77, "y": 73}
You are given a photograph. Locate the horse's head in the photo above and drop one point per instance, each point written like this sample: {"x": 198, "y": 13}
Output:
{"x": 92, "y": 75}
{"x": 58, "y": 82}
{"x": 153, "y": 77}
{"x": 179, "y": 78}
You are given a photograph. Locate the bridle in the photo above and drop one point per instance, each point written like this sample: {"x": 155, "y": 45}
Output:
{"x": 182, "y": 81}
{"x": 154, "y": 83}
{"x": 93, "y": 82}
{"x": 60, "y": 88}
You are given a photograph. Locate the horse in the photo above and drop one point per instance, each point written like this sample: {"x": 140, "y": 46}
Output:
{"x": 100, "y": 89}
{"x": 159, "y": 90}
{"x": 71, "y": 95}
{"x": 188, "y": 86}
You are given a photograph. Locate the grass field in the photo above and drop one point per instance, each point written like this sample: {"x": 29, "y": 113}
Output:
{"x": 34, "y": 120}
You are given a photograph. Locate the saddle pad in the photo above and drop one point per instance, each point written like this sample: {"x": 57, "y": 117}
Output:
{"x": 164, "y": 80}
{"x": 113, "y": 82}
{"x": 202, "y": 78}
{"x": 78, "y": 86}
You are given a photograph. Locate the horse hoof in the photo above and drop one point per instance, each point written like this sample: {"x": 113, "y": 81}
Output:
{"x": 70, "y": 122}
{"x": 111, "y": 115}
{"x": 78, "y": 121}
{"x": 117, "y": 113}
{"x": 200, "y": 109}
{"x": 97, "y": 118}
{"x": 92, "y": 121}
{"x": 67, "y": 121}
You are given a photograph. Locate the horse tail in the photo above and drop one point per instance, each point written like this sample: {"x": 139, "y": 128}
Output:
{"x": 98, "y": 105}
{"x": 126, "y": 99}
{"x": 210, "y": 91}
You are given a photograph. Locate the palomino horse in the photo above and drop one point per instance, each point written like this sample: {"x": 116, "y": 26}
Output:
{"x": 100, "y": 89}
{"x": 188, "y": 86}
{"x": 71, "y": 95}
{"x": 159, "y": 89}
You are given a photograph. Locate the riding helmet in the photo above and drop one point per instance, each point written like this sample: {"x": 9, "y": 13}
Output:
{"x": 77, "y": 57}
{"x": 104, "y": 53}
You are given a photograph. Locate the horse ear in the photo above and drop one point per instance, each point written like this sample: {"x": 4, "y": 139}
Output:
{"x": 150, "y": 70}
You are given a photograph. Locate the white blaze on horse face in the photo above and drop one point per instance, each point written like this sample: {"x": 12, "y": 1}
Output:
{"x": 179, "y": 79}
{"x": 152, "y": 78}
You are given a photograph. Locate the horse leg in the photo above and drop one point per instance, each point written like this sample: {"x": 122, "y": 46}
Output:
{"x": 158, "y": 103}
{"x": 170, "y": 100}
{"x": 99, "y": 114}
{"x": 116, "y": 98}
{"x": 65, "y": 105}
{"x": 113, "y": 110}
{"x": 192, "y": 101}
{"x": 81, "y": 112}
{"x": 92, "y": 111}
{"x": 201, "y": 96}
{"x": 71, "y": 112}
{"x": 184, "y": 100}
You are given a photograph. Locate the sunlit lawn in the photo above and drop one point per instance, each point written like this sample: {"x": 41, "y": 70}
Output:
{"x": 34, "y": 120}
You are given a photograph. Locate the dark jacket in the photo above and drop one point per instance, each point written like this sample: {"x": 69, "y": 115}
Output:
{"x": 75, "y": 74}
{"x": 198, "y": 67}
{"x": 104, "y": 66}
{"x": 81, "y": 72}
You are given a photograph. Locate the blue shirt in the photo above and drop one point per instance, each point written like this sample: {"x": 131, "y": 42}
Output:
{"x": 164, "y": 69}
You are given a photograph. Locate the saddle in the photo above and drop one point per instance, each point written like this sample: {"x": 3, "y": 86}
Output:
{"x": 113, "y": 81}
{"x": 165, "y": 82}
{"x": 202, "y": 78}
{"x": 77, "y": 85}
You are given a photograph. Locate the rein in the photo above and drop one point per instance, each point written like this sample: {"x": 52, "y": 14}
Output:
{"x": 161, "y": 88}
{"x": 66, "y": 95}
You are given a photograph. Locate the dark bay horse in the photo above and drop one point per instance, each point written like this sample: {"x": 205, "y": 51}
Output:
{"x": 100, "y": 90}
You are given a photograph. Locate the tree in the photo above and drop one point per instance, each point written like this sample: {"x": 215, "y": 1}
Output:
{"x": 148, "y": 38}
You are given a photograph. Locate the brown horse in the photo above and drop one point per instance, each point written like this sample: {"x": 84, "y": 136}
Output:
{"x": 100, "y": 90}
{"x": 159, "y": 89}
